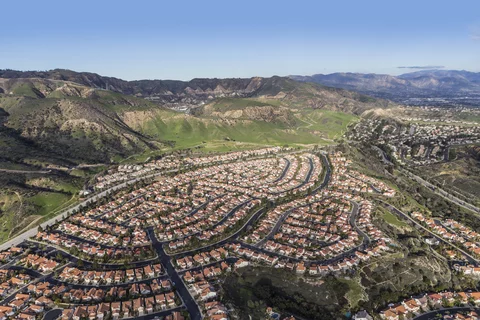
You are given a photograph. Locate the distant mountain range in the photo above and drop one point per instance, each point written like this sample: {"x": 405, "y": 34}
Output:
{"x": 421, "y": 87}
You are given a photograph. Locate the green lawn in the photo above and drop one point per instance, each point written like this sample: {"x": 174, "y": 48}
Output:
{"x": 331, "y": 124}
{"x": 9, "y": 203}
{"x": 224, "y": 104}
{"x": 393, "y": 220}
{"x": 185, "y": 131}
{"x": 48, "y": 202}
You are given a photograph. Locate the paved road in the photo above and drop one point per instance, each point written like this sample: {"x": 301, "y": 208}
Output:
{"x": 435, "y": 189}
{"x": 261, "y": 211}
{"x": 284, "y": 172}
{"x": 228, "y": 215}
{"x": 72, "y": 285}
{"x": 223, "y": 241}
{"x": 10, "y": 297}
{"x": 52, "y": 314}
{"x": 383, "y": 155}
{"x": 284, "y": 216}
{"x": 439, "y": 238}
{"x": 353, "y": 217}
{"x": 441, "y": 192}
{"x": 182, "y": 290}
{"x": 432, "y": 315}
{"x": 157, "y": 315}
{"x": 328, "y": 173}
{"x": 276, "y": 227}
{"x": 86, "y": 264}
{"x": 32, "y": 232}
{"x": 26, "y": 171}
{"x": 353, "y": 223}
{"x": 229, "y": 260}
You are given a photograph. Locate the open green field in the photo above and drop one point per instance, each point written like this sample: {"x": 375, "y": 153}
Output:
{"x": 393, "y": 220}
{"x": 225, "y": 104}
{"x": 331, "y": 124}
{"x": 184, "y": 131}
{"x": 49, "y": 201}
{"x": 29, "y": 199}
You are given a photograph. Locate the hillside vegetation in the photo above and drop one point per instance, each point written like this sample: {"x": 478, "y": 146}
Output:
{"x": 51, "y": 122}
{"x": 197, "y": 91}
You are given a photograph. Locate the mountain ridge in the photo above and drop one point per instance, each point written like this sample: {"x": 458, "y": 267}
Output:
{"x": 447, "y": 84}
{"x": 191, "y": 93}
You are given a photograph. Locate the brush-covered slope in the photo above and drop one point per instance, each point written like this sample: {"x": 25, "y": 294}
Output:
{"x": 73, "y": 121}
{"x": 50, "y": 126}
{"x": 78, "y": 122}
{"x": 199, "y": 91}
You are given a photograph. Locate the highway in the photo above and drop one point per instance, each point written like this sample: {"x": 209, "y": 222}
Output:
{"x": 447, "y": 196}
{"x": 403, "y": 215}
{"x": 432, "y": 315}
{"x": 32, "y": 232}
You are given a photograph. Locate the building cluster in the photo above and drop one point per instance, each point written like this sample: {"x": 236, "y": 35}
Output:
{"x": 201, "y": 258}
{"x": 10, "y": 253}
{"x": 420, "y": 141}
{"x": 91, "y": 250}
{"x": 167, "y": 163}
{"x": 91, "y": 277}
{"x": 331, "y": 230}
{"x": 203, "y": 285}
{"x": 11, "y": 280}
{"x": 133, "y": 308}
{"x": 452, "y": 231}
{"x": 415, "y": 306}
{"x": 243, "y": 208}
{"x": 40, "y": 263}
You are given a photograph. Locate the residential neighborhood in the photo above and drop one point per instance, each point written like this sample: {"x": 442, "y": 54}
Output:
{"x": 161, "y": 249}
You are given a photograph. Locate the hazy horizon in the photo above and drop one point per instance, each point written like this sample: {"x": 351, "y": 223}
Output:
{"x": 411, "y": 70}
{"x": 152, "y": 40}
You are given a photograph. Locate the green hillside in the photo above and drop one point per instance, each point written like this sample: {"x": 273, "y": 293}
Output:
{"x": 186, "y": 131}
{"x": 48, "y": 127}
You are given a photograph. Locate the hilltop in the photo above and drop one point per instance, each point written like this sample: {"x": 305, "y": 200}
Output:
{"x": 66, "y": 112}
{"x": 67, "y": 118}
{"x": 54, "y": 122}
{"x": 198, "y": 91}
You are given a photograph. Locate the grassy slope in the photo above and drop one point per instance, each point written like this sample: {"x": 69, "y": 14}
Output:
{"x": 37, "y": 197}
{"x": 393, "y": 220}
{"x": 315, "y": 127}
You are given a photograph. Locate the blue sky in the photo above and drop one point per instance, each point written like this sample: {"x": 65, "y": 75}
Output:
{"x": 188, "y": 39}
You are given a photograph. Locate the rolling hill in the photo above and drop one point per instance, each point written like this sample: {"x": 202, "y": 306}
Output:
{"x": 199, "y": 91}
{"x": 66, "y": 118}
{"x": 52, "y": 122}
